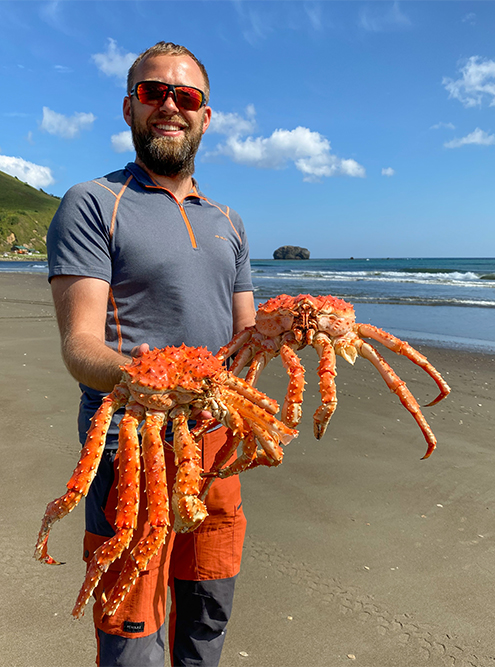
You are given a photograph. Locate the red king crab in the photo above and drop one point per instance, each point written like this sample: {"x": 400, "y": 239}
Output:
{"x": 157, "y": 386}
{"x": 286, "y": 324}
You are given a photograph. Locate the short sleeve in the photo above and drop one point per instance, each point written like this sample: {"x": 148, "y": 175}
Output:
{"x": 243, "y": 281}
{"x": 78, "y": 239}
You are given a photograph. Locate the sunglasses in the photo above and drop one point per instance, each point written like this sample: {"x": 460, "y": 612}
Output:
{"x": 155, "y": 93}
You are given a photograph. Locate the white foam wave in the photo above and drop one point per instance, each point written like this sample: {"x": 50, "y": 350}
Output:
{"x": 466, "y": 279}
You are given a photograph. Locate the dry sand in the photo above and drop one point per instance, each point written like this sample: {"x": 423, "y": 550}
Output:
{"x": 357, "y": 551}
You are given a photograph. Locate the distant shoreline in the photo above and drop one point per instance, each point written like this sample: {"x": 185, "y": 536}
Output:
{"x": 24, "y": 258}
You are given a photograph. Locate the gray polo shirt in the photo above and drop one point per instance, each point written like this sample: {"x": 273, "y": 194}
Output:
{"x": 172, "y": 266}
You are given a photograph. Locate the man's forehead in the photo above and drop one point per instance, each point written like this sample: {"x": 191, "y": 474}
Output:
{"x": 182, "y": 68}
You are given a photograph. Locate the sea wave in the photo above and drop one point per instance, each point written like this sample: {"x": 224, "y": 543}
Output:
{"x": 23, "y": 266}
{"x": 462, "y": 279}
{"x": 263, "y": 292}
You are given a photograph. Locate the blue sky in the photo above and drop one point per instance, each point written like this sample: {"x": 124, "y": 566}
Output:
{"x": 362, "y": 129}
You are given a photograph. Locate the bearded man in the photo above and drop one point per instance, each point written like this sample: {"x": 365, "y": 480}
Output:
{"x": 141, "y": 258}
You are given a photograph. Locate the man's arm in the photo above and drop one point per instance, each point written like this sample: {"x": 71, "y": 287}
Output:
{"x": 243, "y": 310}
{"x": 81, "y": 308}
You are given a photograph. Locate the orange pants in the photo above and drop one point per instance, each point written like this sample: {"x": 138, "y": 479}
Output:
{"x": 213, "y": 551}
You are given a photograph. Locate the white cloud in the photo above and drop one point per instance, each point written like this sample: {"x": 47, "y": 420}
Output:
{"x": 115, "y": 61}
{"x": 63, "y": 126}
{"x": 479, "y": 137}
{"x": 375, "y": 18}
{"x": 309, "y": 151}
{"x": 34, "y": 174}
{"x": 470, "y": 18}
{"x": 313, "y": 12}
{"x": 54, "y": 14}
{"x": 255, "y": 20}
{"x": 62, "y": 69}
{"x": 122, "y": 142}
{"x": 233, "y": 123}
{"x": 438, "y": 126}
{"x": 388, "y": 171}
{"x": 476, "y": 84}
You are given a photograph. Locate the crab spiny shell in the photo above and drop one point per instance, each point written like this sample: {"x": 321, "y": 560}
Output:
{"x": 163, "y": 370}
{"x": 289, "y": 303}
{"x": 302, "y": 313}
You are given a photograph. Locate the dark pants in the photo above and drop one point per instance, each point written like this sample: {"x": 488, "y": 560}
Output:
{"x": 197, "y": 632}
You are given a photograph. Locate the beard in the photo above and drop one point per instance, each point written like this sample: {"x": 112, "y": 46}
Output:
{"x": 167, "y": 156}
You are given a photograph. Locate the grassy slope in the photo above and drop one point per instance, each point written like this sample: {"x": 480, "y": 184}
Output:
{"x": 25, "y": 212}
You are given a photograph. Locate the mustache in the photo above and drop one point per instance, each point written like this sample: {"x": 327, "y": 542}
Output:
{"x": 161, "y": 117}
{"x": 171, "y": 119}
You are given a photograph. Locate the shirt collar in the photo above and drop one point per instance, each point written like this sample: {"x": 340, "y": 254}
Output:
{"x": 144, "y": 179}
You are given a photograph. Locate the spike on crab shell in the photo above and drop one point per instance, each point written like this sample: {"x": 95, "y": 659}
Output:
{"x": 170, "y": 366}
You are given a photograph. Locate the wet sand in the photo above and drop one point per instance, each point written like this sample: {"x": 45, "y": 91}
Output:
{"x": 357, "y": 551}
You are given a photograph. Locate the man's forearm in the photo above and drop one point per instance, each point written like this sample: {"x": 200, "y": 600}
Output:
{"x": 243, "y": 311}
{"x": 92, "y": 362}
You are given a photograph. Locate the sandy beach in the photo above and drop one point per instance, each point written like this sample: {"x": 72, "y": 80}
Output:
{"x": 358, "y": 552}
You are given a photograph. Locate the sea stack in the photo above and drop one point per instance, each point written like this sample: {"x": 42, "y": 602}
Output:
{"x": 291, "y": 252}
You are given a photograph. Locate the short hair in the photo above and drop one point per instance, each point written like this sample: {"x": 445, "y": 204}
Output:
{"x": 167, "y": 49}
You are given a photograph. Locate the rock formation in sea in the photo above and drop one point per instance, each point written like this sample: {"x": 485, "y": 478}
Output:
{"x": 291, "y": 252}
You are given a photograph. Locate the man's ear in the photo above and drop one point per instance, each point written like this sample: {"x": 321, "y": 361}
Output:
{"x": 206, "y": 119}
{"x": 126, "y": 110}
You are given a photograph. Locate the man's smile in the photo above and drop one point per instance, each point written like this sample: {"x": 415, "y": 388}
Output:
{"x": 168, "y": 128}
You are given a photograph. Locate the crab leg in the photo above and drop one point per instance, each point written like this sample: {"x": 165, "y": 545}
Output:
{"x": 158, "y": 511}
{"x": 84, "y": 473}
{"x": 327, "y": 374}
{"x": 261, "y": 359}
{"x": 201, "y": 427}
{"x": 292, "y": 408}
{"x": 262, "y": 459}
{"x": 270, "y": 445}
{"x": 243, "y": 461}
{"x": 401, "y": 347}
{"x": 189, "y": 510}
{"x": 244, "y": 388}
{"x": 127, "y": 506}
{"x": 399, "y": 387}
{"x": 232, "y": 441}
{"x": 237, "y": 430}
{"x": 223, "y": 455}
{"x": 238, "y": 341}
{"x": 253, "y": 414}
{"x": 243, "y": 358}
{"x": 236, "y": 427}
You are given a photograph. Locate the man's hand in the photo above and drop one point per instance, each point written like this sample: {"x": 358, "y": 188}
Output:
{"x": 201, "y": 415}
{"x": 139, "y": 350}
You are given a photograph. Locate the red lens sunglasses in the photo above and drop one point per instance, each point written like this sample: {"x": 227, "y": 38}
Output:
{"x": 155, "y": 93}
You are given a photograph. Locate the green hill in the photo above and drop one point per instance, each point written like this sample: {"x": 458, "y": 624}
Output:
{"x": 25, "y": 214}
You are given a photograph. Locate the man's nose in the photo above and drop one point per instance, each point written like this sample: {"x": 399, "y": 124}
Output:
{"x": 169, "y": 103}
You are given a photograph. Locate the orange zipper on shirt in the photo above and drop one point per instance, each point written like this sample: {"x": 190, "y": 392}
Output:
{"x": 183, "y": 213}
{"x": 188, "y": 225}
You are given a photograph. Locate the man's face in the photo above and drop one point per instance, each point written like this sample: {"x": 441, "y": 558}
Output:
{"x": 167, "y": 138}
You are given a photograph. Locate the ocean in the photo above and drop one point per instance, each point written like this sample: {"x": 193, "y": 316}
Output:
{"x": 447, "y": 302}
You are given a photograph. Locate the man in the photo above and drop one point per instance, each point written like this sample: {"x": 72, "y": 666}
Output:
{"x": 142, "y": 258}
